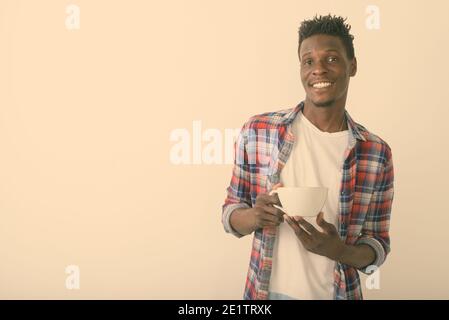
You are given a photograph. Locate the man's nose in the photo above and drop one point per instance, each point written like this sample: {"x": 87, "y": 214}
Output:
{"x": 319, "y": 68}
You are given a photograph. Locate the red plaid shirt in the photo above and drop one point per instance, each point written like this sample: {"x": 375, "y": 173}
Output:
{"x": 366, "y": 194}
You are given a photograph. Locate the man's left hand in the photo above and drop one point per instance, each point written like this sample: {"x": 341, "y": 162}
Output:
{"x": 326, "y": 243}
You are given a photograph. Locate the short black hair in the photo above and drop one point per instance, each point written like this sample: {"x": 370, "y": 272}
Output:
{"x": 329, "y": 25}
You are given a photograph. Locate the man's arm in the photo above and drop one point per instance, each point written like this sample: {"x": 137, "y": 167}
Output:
{"x": 238, "y": 192}
{"x": 239, "y": 216}
{"x": 375, "y": 231}
{"x": 358, "y": 256}
{"x": 242, "y": 221}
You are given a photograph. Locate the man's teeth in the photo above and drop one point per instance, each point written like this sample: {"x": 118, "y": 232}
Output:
{"x": 322, "y": 84}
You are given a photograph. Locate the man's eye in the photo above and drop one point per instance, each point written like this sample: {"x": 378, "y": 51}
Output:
{"x": 332, "y": 59}
{"x": 308, "y": 62}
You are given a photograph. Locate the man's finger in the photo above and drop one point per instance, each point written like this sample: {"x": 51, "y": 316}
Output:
{"x": 277, "y": 185}
{"x": 269, "y": 222}
{"x": 306, "y": 225}
{"x": 274, "y": 211}
{"x": 300, "y": 233}
{"x": 268, "y": 199}
{"x": 274, "y": 198}
{"x": 275, "y": 195}
{"x": 272, "y": 217}
{"x": 293, "y": 224}
{"x": 327, "y": 227}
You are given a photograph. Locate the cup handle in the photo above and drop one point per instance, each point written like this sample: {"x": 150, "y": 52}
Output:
{"x": 280, "y": 208}
{"x": 276, "y": 206}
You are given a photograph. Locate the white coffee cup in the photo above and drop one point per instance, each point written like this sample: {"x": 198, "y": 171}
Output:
{"x": 301, "y": 201}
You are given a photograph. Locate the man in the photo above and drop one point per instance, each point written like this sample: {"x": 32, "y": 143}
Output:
{"x": 314, "y": 144}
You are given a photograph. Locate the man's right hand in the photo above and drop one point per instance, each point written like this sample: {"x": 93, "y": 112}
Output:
{"x": 263, "y": 212}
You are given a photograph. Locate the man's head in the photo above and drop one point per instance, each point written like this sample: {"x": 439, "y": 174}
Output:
{"x": 326, "y": 54}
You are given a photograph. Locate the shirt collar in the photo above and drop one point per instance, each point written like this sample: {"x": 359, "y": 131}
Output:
{"x": 357, "y": 134}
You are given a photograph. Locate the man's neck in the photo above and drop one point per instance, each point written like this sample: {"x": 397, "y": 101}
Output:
{"x": 327, "y": 119}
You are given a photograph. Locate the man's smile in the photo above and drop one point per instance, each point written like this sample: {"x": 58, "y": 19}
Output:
{"x": 320, "y": 86}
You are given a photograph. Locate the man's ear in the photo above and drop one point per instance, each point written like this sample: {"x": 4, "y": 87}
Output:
{"x": 353, "y": 67}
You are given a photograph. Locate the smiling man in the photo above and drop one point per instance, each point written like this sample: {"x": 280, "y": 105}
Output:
{"x": 315, "y": 144}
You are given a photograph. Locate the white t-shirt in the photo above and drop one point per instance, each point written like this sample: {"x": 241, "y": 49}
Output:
{"x": 315, "y": 161}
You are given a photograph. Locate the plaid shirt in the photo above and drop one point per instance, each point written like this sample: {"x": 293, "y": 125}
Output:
{"x": 366, "y": 195}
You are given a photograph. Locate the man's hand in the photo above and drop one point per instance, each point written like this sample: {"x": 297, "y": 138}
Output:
{"x": 326, "y": 243}
{"x": 263, "y": 212}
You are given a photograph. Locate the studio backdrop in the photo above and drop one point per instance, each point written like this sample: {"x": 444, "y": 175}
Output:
{"x": 117, "y": 124}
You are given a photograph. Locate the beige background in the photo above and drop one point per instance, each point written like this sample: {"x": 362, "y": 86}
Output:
{"x": 85, "y": 123}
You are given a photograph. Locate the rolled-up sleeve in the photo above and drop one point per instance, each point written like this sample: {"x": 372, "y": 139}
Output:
{"x": 375, "y": 231}
{"x": 238, "y": 192}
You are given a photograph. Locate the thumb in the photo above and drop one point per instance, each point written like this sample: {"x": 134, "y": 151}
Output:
{"x": 277, "y": 185}
{"x": 327, "y": 227}
{"x": 320, "y": 218}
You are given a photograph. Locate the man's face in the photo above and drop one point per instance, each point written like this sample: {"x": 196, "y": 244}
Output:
{"x": 325, "y": 70}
